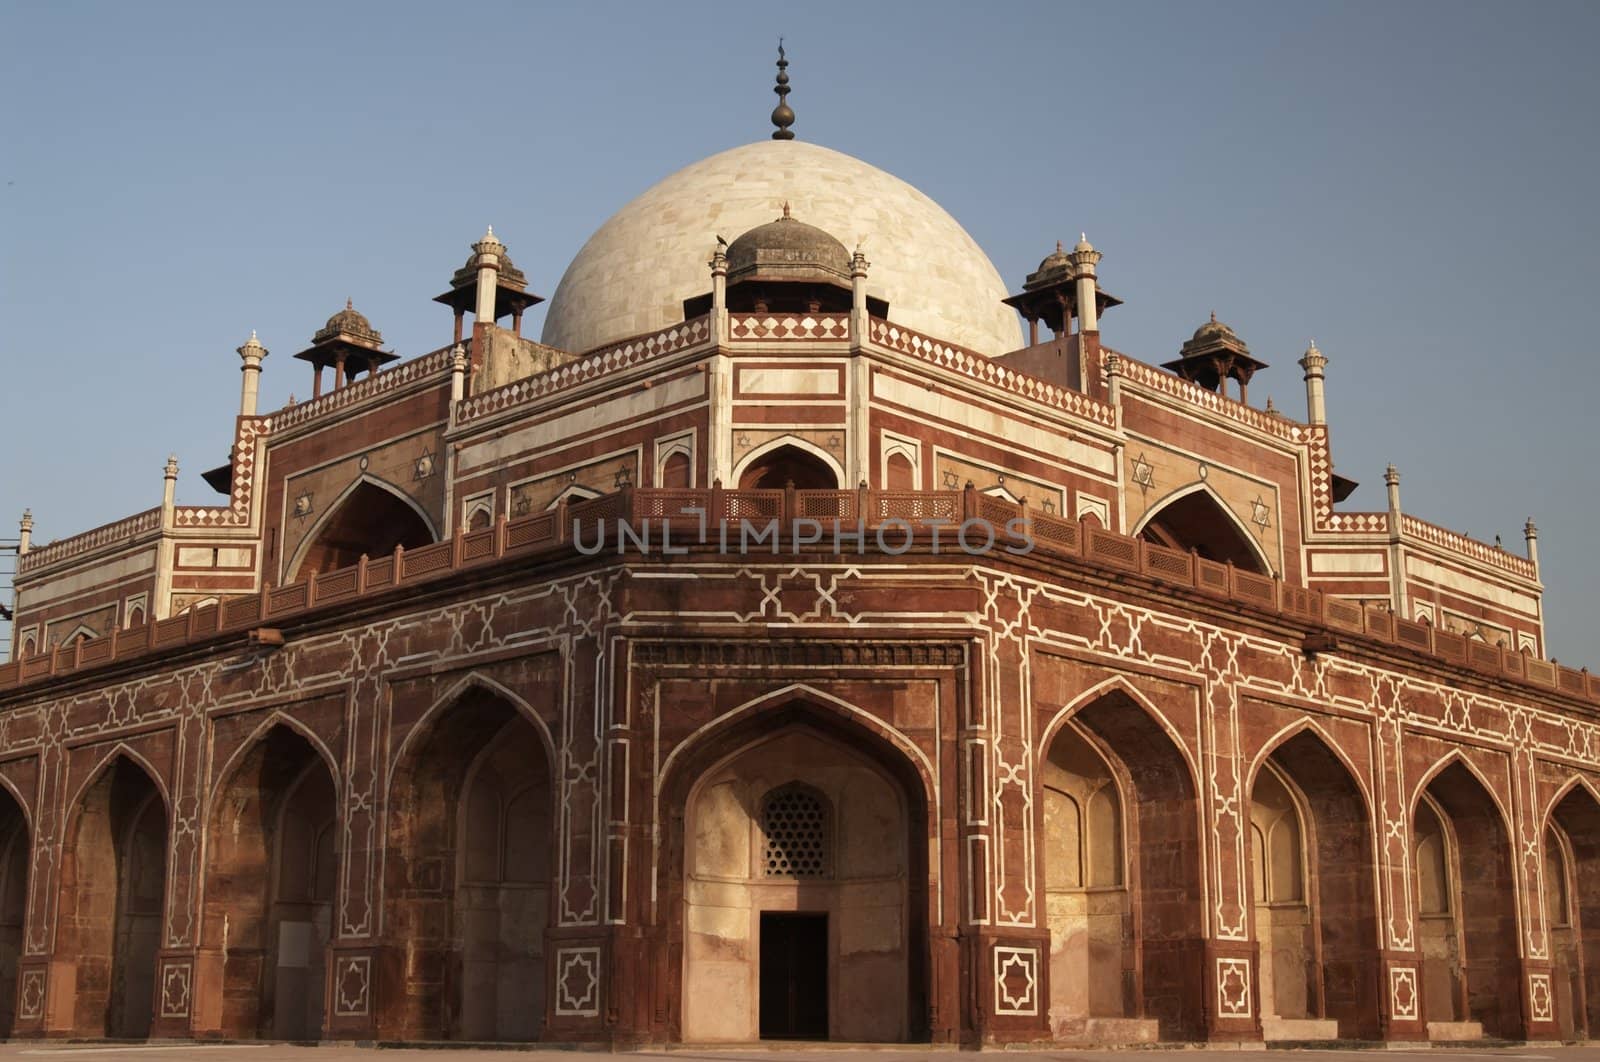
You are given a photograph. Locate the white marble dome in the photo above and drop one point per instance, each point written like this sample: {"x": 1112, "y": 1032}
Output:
{"x": 636, "y": 270}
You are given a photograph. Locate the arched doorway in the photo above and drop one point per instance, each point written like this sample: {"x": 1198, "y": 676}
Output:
{"x": 1123, "y": 895}
{"x": 113, "y": 882}
{"x": 795, "y": 891}
{"x": 15, "y": 846}
{"x": 370, "y": 520}
{"x": 786, "y": 464}
{"x": 471, "y": 838}
{"x": 1572, "y": 908}
{"x": 1466, "y": 901}
{"x": 1315, "y": 909}
{"x": 1197, "y": 521}
{"x": 272, "y": 861}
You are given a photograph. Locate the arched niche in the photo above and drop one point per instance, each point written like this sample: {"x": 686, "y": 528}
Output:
{"x": 1572, "y": 909}
{"x": 1195, "y": 519}
{"x": 112, "y": 887}
{"x": 467, "y": 884}
{"x": 370, "y": 519}
{"x": 1466, "y": 899}
{"x": 796, "y": 888}
{"x": 1154, "y": 970}
{"x": 779, "y": 466}
{"x": 272, "y": 862}
{"x": 1314, "y": 902}
{"x": 15, "y": 846}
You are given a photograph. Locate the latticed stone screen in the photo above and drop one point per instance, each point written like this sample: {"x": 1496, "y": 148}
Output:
{"x": 796, "y": 825}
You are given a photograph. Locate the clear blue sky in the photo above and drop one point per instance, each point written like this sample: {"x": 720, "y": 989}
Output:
{"x": 1412, "y": 184}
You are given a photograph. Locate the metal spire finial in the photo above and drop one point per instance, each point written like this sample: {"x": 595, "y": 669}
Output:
{"x": 782, "y": 114}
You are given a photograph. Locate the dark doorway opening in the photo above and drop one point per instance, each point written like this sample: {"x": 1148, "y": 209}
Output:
{"x": 794, "y": 976}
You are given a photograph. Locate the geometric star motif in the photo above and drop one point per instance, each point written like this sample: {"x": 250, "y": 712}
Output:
{"x": 302, "y": 505}
{"x": 1143, "y": 474}
{"x": 1260, "y": 515}
{"x": 423, "y": 467}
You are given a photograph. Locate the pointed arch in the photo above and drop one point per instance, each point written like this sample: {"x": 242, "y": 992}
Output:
{"x": 1294, "y": 729}
{"x": 1117, "y": 684}
{"x": 22, "y": 805}
{"x": 1442, "y": 765}
{"x": 274, "y": 719}
{"x": 1195, "y": 517}
{"x": 105, "y": 763}
{"x": 801, "y": 450}
{"x": 1577, "y": 781}
{"x": 397, "y": 501}
{"x": 81, "y": 633}
{"x": 815, "y": 698}
{"x": 472, "y": 680}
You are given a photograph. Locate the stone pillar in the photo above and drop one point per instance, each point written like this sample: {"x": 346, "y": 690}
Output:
{"x": 1314, "y": 362}
{"x": 252, "y": 353}
{"x": 1530, "y": 535}
{"x": 169, "y": 489}
{"x": 458, "y": 378}
{"x": 719, "y": 294}
{"x": 1397, "y": 581}
{"x": 25, "y": 533}
{"x": 1113, "y": 368}
{"x": 858, "y": 296}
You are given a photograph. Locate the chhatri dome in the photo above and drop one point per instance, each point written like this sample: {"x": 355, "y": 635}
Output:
{"x": 636, "y": 271}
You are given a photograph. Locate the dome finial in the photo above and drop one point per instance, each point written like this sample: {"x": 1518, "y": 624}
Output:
{"x": 782, "y": 114}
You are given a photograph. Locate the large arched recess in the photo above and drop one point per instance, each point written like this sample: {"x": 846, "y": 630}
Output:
{"x": 1472, "y": 970}
{"x": 369, "y": 519}
{"x": 15, "y": 845}
{"x": 471, "y": 838}
{"x": 272, "y": 858}
{"x": 1195, "y": 519}
{"x": 804, "y": 464}
{"x": 799, "y": 711}
{"x": 1165, "y": 959}
{"x": 112, "y": 888}
{"x": 1331, "y": 969}
{"x": 1572, "y": 908}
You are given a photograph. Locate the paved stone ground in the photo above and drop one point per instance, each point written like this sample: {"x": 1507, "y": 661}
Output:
{"x": 34, "y": 1051}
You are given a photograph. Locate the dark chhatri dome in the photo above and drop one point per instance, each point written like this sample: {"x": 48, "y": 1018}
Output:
{"x": 788, "y": 250}
{"x": 1213, "y": 334}
{"x": 352, "y": 325}
{"x": 1057, "y": 266}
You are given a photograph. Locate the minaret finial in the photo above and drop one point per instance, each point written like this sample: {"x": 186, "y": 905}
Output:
{"x": 782, "y": 114}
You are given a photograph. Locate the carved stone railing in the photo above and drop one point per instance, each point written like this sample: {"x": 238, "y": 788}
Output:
{"x": 117, "y": 531}
{"x": 1148, "y": 376}
{"x": 703, "y": 520}
{"x": 970, "y": 364}
{"x": 591, "y": 366}
{"x": 789, "y": 326}
{"x": 381, "y": 382}
{"x": 1411, "y": 527}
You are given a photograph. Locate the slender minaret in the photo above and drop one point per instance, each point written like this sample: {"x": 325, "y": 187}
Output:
{"x": 1530, "y": 535}
{"x": 25, "y": 532}
{"x": 1391, "y": 479}
{"x": 489, "y": 251}
{"x": 1314, "y": 362}
{"x": 782, "y": 114}
{"x": 251, "y": 353}
{"x": 719, "y": 291}
{"x": 1084, "y": 260}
